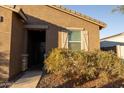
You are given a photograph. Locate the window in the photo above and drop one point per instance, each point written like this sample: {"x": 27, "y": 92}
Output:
{"x": 74, "y": 40}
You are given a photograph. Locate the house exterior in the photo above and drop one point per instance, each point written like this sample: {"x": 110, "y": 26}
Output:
{"x": 114, "y": 43}
{"x": 33, "y": 31}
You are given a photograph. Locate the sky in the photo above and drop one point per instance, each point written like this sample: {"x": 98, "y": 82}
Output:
{"x": 114, "y": 21}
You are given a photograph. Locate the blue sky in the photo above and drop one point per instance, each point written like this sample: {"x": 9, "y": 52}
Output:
{"x": 114, "y": 21}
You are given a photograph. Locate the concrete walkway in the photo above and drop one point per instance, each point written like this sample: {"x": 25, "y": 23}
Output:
{"x": 30, "y": 79}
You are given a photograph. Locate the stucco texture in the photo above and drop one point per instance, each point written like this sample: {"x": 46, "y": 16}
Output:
{"x": 5, "y": 39}
{"x": 17, "y": 45}
{"x": 53, "y": 17}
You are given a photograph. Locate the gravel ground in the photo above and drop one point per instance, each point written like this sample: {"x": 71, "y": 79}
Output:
{"x": 54, "y": 81}
{"x": 49, "y": 81}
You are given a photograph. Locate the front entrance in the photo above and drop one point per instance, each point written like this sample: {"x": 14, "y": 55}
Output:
{"x": 36, "y": 48}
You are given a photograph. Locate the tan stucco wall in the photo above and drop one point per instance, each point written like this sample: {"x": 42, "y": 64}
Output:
{"x": 17, "y": 45}
{"x": 44, "y": 15}
{"x": 13, "y": 34}
{"x": 5, "y": 35}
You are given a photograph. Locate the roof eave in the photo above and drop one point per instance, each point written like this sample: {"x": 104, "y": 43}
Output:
{"x": 18, "y": 11}
{"x": 99, "y": 23}
{"x": 113, "y": 36}
{"x": 102, "y": 27}
{"x": 22, "y": 14}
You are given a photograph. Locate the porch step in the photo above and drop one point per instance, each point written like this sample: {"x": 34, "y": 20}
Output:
{"x": 30, "y": 79}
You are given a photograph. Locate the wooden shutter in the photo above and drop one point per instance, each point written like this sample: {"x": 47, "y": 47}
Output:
{"x": 84, "y": 40}
{"x": 64, "y": 39}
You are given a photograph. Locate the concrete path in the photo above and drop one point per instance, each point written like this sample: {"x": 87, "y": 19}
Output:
{"x": 30, "y": 79}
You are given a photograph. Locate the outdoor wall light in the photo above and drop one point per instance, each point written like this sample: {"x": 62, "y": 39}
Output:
{"x": 1, "y": 18}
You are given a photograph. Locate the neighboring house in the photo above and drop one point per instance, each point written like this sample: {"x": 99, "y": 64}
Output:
{"x": 115, "y": 43}
{"x": 34, "y": 30}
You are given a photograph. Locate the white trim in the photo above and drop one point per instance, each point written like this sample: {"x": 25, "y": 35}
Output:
{"x": 74, "y": 41}
{"x": 74, "y": 28}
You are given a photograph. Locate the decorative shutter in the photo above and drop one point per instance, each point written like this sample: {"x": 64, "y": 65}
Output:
{"x": 84, "y": 40}
{"x": 64, "y": 39}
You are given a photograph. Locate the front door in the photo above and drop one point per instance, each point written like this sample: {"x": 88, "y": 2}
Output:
{"x": 36, "y": 48}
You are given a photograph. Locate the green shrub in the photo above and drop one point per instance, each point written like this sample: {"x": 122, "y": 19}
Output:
{"x": 88, "y": 65}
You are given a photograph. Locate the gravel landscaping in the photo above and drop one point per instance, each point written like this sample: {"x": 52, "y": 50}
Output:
{"x": 54, "y": 81}
{"x": 50, "y": 81}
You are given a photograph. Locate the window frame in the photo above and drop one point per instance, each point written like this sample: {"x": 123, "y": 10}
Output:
{"x": 75, "y": 30}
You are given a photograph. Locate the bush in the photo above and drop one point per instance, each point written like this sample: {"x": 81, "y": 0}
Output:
{"x": 88, "y": 65}
{"x": 109, "y": 63}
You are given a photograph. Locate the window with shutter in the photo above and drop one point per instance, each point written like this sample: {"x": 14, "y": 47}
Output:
{"x": 75, "y": 39}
